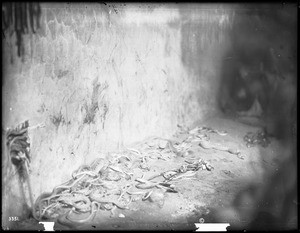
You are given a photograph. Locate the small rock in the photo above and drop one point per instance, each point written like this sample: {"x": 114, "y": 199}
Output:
{"x": 121, "y": 216}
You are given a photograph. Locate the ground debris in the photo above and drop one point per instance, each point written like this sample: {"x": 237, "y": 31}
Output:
{"x": 258, "y": 138}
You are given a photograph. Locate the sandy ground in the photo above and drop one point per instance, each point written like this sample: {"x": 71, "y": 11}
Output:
{"x": 213, "y": 189}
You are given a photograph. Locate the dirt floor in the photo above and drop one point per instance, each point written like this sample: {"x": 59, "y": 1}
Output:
{"x": 195, "y": 196}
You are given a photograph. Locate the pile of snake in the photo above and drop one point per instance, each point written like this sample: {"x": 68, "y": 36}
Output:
{"x": 107, "y": 183}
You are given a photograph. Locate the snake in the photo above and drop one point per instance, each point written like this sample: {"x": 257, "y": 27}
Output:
{"x": 120, "y": 171}
{"x": 146, "y": 184}
{"x": 136, "y": 193}
{"x": 73, "y": 199}
{"x": 94, "y": 196}
{"x": 74, "y": 174}
{"x": 186, "y": 174}
{"x": 85, "y": 197}
{"x": 207, "y": 145}
{"x": 169, "y": 144}
{"x": 48, "y": 196}
{"x": 134, "y": 150}
{"x": 88, "y": 219}
{"x": 147, "y": 195}
{"x": 208, "y": 130}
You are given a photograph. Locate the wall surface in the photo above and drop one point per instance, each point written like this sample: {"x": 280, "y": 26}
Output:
{"x": 101, "y": 77}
